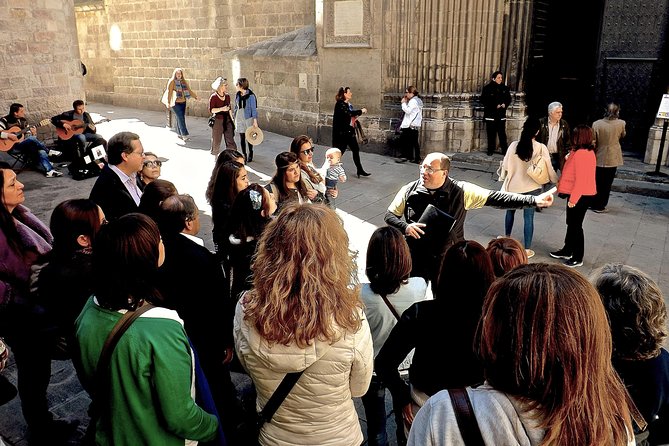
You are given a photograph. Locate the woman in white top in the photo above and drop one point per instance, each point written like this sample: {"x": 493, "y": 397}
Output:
{"x": 412, "y": 106}
{"x": 516, "y": 161}
{"x": 388, "y": 268}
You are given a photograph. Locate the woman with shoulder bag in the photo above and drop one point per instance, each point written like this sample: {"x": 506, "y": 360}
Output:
{"x": 343, "y": 127}
{"x": 312, "y": 178}
{"x": 520, "y": 156}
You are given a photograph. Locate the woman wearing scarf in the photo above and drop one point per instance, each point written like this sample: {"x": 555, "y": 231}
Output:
{"x": 176, "y": 94}
{"x": 245, "y": 113}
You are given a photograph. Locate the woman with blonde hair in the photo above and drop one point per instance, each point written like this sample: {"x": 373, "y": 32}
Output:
{"x": 545, "y": 344}
{"x": 304, "y": 314}
{"x": 177, "y": 92}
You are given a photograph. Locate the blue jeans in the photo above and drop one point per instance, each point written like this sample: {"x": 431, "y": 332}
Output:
{"x": 36, "y": 151}
{"x": 180, "y": 112}
{"x": 528, "y": 217}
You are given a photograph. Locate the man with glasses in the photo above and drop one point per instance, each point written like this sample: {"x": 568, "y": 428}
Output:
{"x": 434, "y": 187}
{"x": 115, "y": 190}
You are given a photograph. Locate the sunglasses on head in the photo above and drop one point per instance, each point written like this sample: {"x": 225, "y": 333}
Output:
{"x": 153, "y": 163}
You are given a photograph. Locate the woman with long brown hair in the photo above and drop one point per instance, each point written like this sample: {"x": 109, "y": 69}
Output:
{"x": 304, "y": 314}
{"x": 312, "y": 178}
{"x": 545, "y": 343}
{"x": 286, "y": 185}
{"x": 343, "y": 127}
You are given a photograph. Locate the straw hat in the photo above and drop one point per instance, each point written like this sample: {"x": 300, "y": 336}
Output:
{"x": 254, "y": 136}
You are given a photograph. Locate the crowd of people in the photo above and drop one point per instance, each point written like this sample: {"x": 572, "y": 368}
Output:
{"x": 539, "y": 353}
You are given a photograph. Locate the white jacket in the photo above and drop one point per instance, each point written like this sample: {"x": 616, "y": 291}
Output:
{"x": 413, "y": 113}
{"x": 319, "y": 409}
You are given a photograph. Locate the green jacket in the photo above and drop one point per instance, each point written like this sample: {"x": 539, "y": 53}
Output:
{"x": 152, "y": 382}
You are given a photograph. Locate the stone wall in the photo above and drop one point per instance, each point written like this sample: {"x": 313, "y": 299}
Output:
{"x": 40, "y": 57}
{"x": 157, "y": 36}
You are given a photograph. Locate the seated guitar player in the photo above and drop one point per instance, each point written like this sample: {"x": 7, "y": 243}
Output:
{"x": 17, "y": 137}
{"x": 78, "y": 125}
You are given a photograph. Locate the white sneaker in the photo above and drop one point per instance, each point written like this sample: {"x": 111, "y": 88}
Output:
{"x": 53, "y": 174}
{"x": 530, "y": 253}
{"x": 55, "y": 153}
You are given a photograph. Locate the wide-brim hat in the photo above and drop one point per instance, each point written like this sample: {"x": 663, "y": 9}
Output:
{"x": 254, "y": 136}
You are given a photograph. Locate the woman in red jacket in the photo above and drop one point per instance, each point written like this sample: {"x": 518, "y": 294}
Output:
{"x": 577, "y": 183}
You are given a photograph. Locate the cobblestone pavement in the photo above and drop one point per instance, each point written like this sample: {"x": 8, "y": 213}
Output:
{"x": 635, "y": 231}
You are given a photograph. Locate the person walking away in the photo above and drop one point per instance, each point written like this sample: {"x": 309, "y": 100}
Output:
{"x": 608, "y": 133}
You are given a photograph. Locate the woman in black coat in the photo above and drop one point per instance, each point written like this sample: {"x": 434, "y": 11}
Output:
{"x": 343, "y": 127}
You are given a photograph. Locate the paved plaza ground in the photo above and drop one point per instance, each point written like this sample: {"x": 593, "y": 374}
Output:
{"x": 635, "y": 231}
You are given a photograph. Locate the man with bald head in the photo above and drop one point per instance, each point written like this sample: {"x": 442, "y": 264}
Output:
{"x": 453, "y": 197}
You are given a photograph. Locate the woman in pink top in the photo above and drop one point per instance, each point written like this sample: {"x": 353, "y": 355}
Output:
{"x": 516, "y": 161}
{"x": 577, "y": 184}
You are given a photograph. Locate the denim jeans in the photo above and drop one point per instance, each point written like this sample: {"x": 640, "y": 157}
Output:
{"x": 180, "y": 112}
{"x": 528, "y": 218}
{"x": 36, "y": 151}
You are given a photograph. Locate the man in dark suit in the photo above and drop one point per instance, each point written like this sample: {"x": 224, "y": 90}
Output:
{"x": 115, "y": 190}
{"x": 191, "y": 282}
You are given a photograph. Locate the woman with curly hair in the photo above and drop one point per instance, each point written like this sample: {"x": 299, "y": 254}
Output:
{"x": 638, "y": 317}
{"x": 545, "y": 346}
{"x": 304, "y": 314}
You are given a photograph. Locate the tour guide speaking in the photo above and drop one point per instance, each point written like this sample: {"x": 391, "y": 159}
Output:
{"x": 452, "y": 197}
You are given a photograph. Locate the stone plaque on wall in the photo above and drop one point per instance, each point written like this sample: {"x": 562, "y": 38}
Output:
{"x": 347, "y": 23}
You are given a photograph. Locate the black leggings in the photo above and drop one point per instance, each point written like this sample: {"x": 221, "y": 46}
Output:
{"x": 242, "y": 142}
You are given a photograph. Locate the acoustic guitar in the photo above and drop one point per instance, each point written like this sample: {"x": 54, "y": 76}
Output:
{"x": 77, "y": 127}
{"x": 7, "y": 144}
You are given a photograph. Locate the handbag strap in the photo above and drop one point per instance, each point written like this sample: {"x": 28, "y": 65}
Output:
{"x": 464, "y": 414}
{"x": 390, "y": 306}
{"x": 101, "y": 384}
{"x": 280, "y": 394}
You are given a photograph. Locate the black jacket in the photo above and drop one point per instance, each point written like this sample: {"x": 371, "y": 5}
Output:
{"x": 341, "y": 122}
{"x": 492, "y": 95}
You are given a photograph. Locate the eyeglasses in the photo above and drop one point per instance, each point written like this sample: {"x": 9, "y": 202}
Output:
{"x": 139, "y": 153}
{"x": 153, "y": 163}
{"x": 430, "y": 169}
{"x": 308, "y": 151}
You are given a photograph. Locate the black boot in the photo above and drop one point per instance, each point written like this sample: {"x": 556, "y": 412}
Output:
{"x": 250, "y": 153}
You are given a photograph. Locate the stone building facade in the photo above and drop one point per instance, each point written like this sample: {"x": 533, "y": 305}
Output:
{"x": 297, "y": 53}
{"x": 40, "y": 58}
